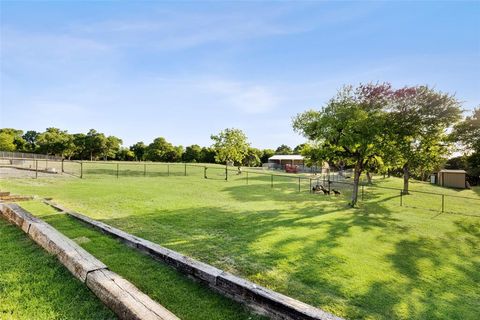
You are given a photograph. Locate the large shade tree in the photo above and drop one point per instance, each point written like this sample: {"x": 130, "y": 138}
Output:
{"x": 313, "y": 154}
{"x": 112, "y": 147}
{"x": 192, "y": 153}
{"x": 467, "y": 133}
{"x": 417, "y": 122}
{"x": 207, "y": 155}
{"x": 56, "y": 142}
{"x": 252, "y": 158}
{"x": 139, "y": 149}
{"x": 7, "y": 141}
{"x": 283, "y": 149}
{"x": 30, "y": 138}
{"x": 79, "y": 140}
{"x": 266, "y": 154}
{"x": 95, "y": 143}
{"x": 11, "y": 140}
{"x": 230, "y": 146}
{"x": 159, "y": 150}
{"x": 349, "y": 128}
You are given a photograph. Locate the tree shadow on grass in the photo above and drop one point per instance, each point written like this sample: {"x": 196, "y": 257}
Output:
{"x": 303, "y": 250}
{"x": 184, "y": 297}
{"x": 437, "y": 279}
{"x": 34, "y": 285}
{"x": 287, "y": 250}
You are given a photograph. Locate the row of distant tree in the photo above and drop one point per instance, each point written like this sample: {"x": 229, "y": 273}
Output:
{"x": 95, "y": 145}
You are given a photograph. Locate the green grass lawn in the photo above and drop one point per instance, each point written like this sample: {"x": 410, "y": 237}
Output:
{"x": 378, "y": 261}
{"x": 34, "y": 285}
{"x": 187, "y": 299}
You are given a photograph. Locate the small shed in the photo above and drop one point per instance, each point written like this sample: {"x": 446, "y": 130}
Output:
{"x": 451, "y": 178}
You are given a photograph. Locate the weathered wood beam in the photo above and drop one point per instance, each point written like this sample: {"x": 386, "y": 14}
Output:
{"x": 121, "y": 296}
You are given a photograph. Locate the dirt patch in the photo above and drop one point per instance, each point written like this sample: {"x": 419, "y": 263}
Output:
{"x": 10, "y": 172}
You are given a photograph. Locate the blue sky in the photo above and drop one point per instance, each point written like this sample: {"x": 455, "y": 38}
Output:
{"x": 139, "y": 70}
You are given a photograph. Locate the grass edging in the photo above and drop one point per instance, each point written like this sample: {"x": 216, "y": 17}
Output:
{"x": 121, "y": 296}
{"x": 258, "y": 298}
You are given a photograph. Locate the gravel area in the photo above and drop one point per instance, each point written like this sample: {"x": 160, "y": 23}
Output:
{"x": 21, "y": 173}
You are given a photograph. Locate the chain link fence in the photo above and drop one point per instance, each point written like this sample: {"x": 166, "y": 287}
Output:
{"x": 24, "y": 155}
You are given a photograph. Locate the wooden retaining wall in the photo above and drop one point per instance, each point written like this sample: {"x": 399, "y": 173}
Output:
{"x": 118, "y": 294}
{"x": 258, "y": 298}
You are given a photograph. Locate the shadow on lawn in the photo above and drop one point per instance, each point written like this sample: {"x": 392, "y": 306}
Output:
{"x": 476, "y": 190}
{"x": 414, "y": 257}
{"x": 296, "y": 251}
{"x": 296, "y": 245}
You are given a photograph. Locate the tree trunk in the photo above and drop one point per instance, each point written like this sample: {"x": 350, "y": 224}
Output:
{"x": 369, "y": 178}
{"x": 406, "y": 177}
{"x": 388, "y": 173}
{"x": 356, "y": 181}
{"x": 226, "y": 171}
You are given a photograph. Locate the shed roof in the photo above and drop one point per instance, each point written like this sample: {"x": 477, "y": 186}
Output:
{"x": 452, "y": 171}
{"x": 286, "y": 157}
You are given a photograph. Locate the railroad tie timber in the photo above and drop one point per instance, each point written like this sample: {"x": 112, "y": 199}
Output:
{"x": 121, "y": 296}
{"x": 6, "y": 196}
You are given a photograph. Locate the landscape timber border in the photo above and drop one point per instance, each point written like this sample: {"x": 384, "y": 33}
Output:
{"x": 121, "y": 296}
{"x": 260, "y": 299}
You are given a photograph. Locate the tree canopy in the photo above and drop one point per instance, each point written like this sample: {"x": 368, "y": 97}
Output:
{"x": 374, "y": 126}
{"x": 283, "y": 149}
{"x": 230, "y": 145}
{"x": 467, "y": 134}
{"x": 417, "y": 121}
{"x": 56, "y": 142}
{"x": 349, "y": 128}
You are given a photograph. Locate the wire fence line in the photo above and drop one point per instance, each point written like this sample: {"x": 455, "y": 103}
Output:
{"x": 337, "y": 184}
{"x": 26, "y": 155}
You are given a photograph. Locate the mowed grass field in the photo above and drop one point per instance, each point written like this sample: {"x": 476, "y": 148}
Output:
{"x": 187, "y": 299}
{"x": 34, "y": 285}
{"x": 378, "y": 261}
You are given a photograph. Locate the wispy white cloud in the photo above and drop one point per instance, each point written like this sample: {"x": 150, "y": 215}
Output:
{"x": 56, "y": 45}
{"x": 245, "y": 97}
{"x": 180, "y": 30}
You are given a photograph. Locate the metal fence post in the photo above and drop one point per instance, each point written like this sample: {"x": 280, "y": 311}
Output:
{"x": 81, "y": 169}
{"x": 401, "y": 198}
{"x": 117, "y": 170}
{"x": 310, "y": 185}
{"x": 205, "y": 172}
{"x": 247, "y": 176}
{"x": 299, "y": 189}
{"x": 168, "y": 170}
{"x": 271, "y": 180}
{"x": 144, "y": 169}
{"x": 62, "y": 165}
{"x": 443, "y": 203}
{"x": 185, "y": 169}
{"x": 36, "y": 169}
